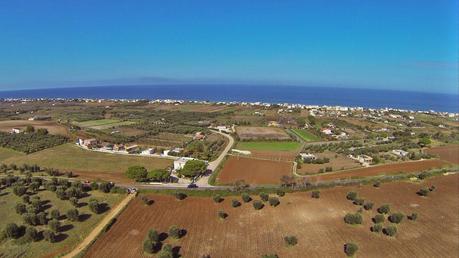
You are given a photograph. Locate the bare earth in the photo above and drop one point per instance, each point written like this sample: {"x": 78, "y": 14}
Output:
{"x": 254, "y": 171}
{"x": 266, "y": 133}
{"x": 317, "y": 223}
{"x": 449, "y": 153}
{"x": 51, "y": 126}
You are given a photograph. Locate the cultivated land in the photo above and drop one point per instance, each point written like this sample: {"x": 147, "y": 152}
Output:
{"x": 103, "y": 123}
{"x": 51, "y": 126}
{"x": 449, "y": 153}
{"x": 88, "y": 164}
{"x": 72, "y": 232}
{"x": 263, "y": 133}
{"x": 305, "y": 135}
{"x": 390, "y": 169}
{"x": 268, "y": 145}
{"x": 317, "y": 223}
{"x": 337, "y": 162}
{"x": 253, "y": 171}
{"x": 9, "y": 153}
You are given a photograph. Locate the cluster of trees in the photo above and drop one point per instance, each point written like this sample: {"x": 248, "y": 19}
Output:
{"x": 140, "y": 174}
{"x": 153, "y": 242}
{"x": 30, "y": 142}
{"x": 206, "y": 149}
{"x": 193, "y": 168}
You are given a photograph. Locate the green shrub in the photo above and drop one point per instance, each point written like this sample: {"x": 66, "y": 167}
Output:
{"x": 273, "y": 201}
{"x": 432, "y": 188}
{"x": 138, "y": 173}
{"x": 290, "y": 240}
{"x": 350, "y": 249}
{"x": 55, "y": 214}
{"x": 396, "y": 217}
{"x": 148, "y": 246}
{"x": 12, "y": 231}
{"x": 258, "y": 205}
{"x": 353, "y": 218}
{"x": 315, "y": 194}
{"x": 358, "y": 201}
{"x": 180, "y": 196}
{"x": 379, "y": 218}
{"x": 166, "y": 252}
{"x": 413, "y": 216}
{"x": 280, "y": 193}
{"x": 217, "y": 198}
{"x": 351, "y": 196}
{"x": 264, "y": 197}
{"x": 54, "y": 225}
{"x": 270, "y": 256}
{"x": 31, "y": 234}
{"x": 146, "y": 200}
{"x": 73, "y": 215}
{"x": 390, "y": 230}
{"x": 153, "y": 235}
{"x": 175, "y": 232}
{"x": 246, "y": 197}
{"x": 222, "y": 215}
{"x": 384, "y": 209}
{"x": 368, "y": 206}
{"x": 49, "y": 236}
{"x": 423, "y": 192}
{"x": 377, "y": 184}
{"x": 377, "y": 228}
{"x": 235, "y": 203}
{"x": 20, "y": 208}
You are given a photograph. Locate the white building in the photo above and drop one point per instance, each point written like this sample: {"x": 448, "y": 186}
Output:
{"x": 15, "y": 130}
{"x": 400, "y": 153}
{"x": 180, "y": 162}
{"x": 307, "y": 156}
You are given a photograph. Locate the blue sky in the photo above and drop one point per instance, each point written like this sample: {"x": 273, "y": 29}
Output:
{"x": 406, "y": 45}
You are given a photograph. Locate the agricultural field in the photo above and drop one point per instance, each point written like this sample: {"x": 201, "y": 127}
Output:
{"x": 337, "y": 162}
{"x": 305, "y": 135}
{"x": 269, "y": 145}
{"x": 261, "y": 133}
{"x": 51, "y": 126}
{"x": 88, "y": 164}
{"x": 69, "y": 234}
{"x": 316, "y": 223}
{"x": 166, "y": 140}
{"x": 448, "y": 153}
{"x": 253, "y": 171}
{"x": 102, "y": 124}
{"x": 389, "y": 169}
{"x": 6, "y": 153}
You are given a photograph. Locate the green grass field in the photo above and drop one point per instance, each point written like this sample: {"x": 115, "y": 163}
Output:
{"x": 8, "y": 153}
{"x": 103, "y": 123}
{"x": 69, "y": 157}
{"x": 268, "y": 145}
{"x": 305, "y": 135}
{"x": 71, "y": 237}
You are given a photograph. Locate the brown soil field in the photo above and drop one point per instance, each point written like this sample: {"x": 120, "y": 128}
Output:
{"x": 266, "y": 133}
{"x": 317, "y": 223}
{"x": 396, "y": 168}
{"x": 288, "y": 156}
{"x": 449, "y": 153}
{"x": 51, "y": 126}
{"x": 253, "y": 171}
{"x": 339, "y": 163}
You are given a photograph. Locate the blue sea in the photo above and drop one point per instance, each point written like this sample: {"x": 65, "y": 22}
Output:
{"x": 252, "y": 93}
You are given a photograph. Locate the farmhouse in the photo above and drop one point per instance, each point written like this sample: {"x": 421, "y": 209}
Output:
{"x": 119, "y": 147}
{"x": 132, "y": 149}
{"x": 88, "y": 143}
{"x": 365, "y": 160}
{"x": 180, "y": 162}
{"x": 326, "y": 131}
{"x": 148, "y": 151}
{"x": 243, "y": 152}
{"x": 39, "y": 118}
{"x": 15, "y": 130}
{"x": 199, "y": 136}
{"x": 400, "y": 153}
{"x": 307, "y": 156}
{"x": 223, "y": 129}
{"x": 107, "y": 146}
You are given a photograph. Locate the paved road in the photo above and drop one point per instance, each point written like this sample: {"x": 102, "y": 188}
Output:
{"x": 100, "y": 227}
{"x": 204, "y": 180}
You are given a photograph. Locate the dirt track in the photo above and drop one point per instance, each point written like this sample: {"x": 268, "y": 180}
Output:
{"x": 99, "y": 228}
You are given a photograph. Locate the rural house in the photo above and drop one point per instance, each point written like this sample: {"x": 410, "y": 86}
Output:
{"x": 307, "y": 156}
{"x": 180, "y": 162}
{"x": 400, "y": 153}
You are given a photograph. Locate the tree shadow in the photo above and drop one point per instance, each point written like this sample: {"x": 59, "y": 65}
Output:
{"x": 66, "y": 228}
{"x": 61, "y": 237}
{"x": 182, "y": 232}
{"x": 46, "y": 207}
{"x": 104, "y": 207}
{"x": 84, "y": 217}
{"x": 4, "y": 193}
{"x": 163, "y": 236}
{"x": 176, "y": 251}
{"x": 82, "y": 204}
